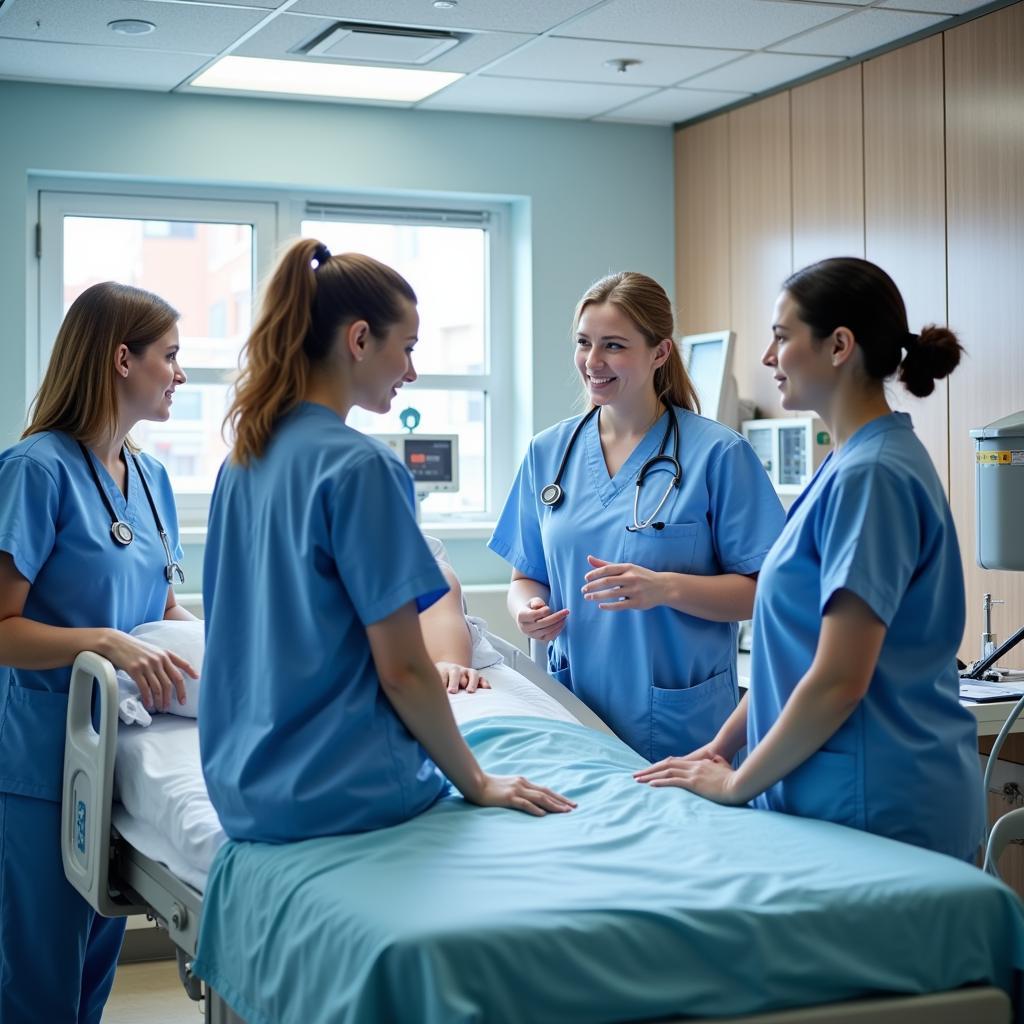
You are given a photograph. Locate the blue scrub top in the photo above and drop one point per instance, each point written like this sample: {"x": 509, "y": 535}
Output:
{"x": 664, "y": 681}
{"x": 307, "y": 546}
{"x": 875, "y": 521}
{"x": 55, "y": 526}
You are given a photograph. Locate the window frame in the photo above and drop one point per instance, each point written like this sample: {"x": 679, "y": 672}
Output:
{"x": 276, "y": 216}
{"x": 499, "y": 402}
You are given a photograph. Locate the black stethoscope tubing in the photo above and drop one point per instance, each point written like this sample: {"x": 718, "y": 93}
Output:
{"x": 120, "y": 530}
{"x": 552, "y": 494}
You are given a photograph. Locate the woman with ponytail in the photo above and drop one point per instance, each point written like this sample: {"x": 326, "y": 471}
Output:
{"x": 853, "y": 713}
{"x": 319, "y": 697}
{"x": 638, "y": 602}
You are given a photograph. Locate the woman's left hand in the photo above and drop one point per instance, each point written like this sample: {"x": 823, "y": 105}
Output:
{"x": 623, "y": 586}
{"x": 711, "y": 777}
{"x": 459, "y": 677}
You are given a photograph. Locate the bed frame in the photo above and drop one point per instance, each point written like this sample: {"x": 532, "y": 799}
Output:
{"x": 117, "y": 880}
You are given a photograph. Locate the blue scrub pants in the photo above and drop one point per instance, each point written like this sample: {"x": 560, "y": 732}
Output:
{"x": 57, "y": 955}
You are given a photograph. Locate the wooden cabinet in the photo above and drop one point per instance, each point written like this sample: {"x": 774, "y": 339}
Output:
{"x": 828, "y": 168}
{"x": 914, "y": 159}
{"x": 905, "y": 206}
{"x": 760, "y": 236}
{"x": 985, "y": 256}
{"x": 702, "y": 227}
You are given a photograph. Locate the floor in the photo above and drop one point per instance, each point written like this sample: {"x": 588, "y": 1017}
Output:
{"x": 150, "y": 993}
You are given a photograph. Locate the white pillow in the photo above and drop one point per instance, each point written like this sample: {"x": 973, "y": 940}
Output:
{"x": 186, "y": 638}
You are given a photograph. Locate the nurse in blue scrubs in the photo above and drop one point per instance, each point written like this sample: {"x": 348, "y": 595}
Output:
{"x": 853, "y": 713}
{"x": 636, "y": 532}
{"x": 321, "y": 711}
{"x": 88, "y": 551}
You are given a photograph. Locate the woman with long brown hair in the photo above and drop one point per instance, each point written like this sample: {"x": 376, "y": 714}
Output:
{"x": 635, "y": 532}
{"x": 319, "y": 697}
{"x": 88, "y": 551}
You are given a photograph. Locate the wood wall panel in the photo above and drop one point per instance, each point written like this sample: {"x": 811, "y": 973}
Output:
{"x": 905, "y": 206}
{"x": 702, "y": 227}
{"x": 828, "y": 168}
{"x": 760, "y": 234}
{"x": 985, "y": 223}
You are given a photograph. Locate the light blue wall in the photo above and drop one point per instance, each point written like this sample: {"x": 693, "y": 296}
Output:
{"x": 593, "y": 197}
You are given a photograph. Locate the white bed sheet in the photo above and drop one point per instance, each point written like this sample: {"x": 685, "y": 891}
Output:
{"x": 163, "y": 809}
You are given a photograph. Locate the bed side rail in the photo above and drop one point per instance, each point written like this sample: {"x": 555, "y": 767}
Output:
{"x": 88, "y": 784}
{"x": 524, "y": 665}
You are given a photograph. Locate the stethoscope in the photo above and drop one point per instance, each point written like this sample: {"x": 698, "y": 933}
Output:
{"x": 552, "y": 494}
{"x": 121, "y": 531}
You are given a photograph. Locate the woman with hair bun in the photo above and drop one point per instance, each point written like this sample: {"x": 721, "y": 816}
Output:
{"x": 636, "y": 531}
{"x": 319, "y": 696}
{"x": 853, "y": 714}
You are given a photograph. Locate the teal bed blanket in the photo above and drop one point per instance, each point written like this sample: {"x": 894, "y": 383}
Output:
{"x": 642, "y": 903}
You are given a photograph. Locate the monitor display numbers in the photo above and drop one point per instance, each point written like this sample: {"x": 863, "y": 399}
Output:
{"x": 428, "y": 460}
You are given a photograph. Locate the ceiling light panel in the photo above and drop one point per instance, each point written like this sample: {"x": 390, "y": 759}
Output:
{"x": 583, "y": 60}
{"x": 860, "y": 32}
{"x": 186, "y": 28}
{"x": 530, "y": 16}
{"x": 735, "y": 24}
{"x": 326, "y": 80}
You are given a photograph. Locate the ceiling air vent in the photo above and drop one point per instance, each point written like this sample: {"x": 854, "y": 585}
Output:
{"x": 380, "y": 44}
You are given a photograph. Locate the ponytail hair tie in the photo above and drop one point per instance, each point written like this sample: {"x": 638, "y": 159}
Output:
{"x": 910, "y": 339}
{"x": 321, "y": 254}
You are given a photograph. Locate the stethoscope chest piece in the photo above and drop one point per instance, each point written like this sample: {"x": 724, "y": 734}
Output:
{"x": 552, "y": 495}
{"x": 121, "y": 532}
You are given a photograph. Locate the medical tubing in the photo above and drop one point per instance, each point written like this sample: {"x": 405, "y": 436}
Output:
{"x": 993, "y": 756}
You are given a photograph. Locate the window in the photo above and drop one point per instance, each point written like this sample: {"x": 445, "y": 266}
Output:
{"x": 445, "y": 255}
{"x": 205, "y": 254}
{"x": 202, "y": 257}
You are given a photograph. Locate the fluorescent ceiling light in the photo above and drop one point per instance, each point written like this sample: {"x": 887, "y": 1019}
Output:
{"x": 315, "y": 78}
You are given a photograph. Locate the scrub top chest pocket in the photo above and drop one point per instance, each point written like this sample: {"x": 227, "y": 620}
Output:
{"x": 670, "y": 549}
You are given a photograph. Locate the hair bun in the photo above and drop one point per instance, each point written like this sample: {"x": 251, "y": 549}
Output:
{"x": 931, "y": 355}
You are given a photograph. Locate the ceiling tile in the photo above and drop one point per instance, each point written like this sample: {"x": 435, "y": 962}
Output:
{"x": 860, "y": 32}
{"x": 191, "y": 28}
{"x": 489, "y": 94}
{"x": 672, "y": 105}
{"x": 96, "y": 65}
{"x": 530, "y": 16}
{"x": 760, "y": 71}
{"x": 735, "y": 24}
{"x": 281, "y": 37}
{"x": 583, "y": 60}
{"x": 935, "y": 6}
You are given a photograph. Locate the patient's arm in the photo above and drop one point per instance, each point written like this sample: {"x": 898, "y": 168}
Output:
{"x": 447, "y": 639}
{"x": 410, "y": 683}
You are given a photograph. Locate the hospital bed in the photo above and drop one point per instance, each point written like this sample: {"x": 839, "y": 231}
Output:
{"x": 947, "y": 946}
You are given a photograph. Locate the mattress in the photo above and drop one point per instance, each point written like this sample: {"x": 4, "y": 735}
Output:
{"x": 640, "y": 904}
{"x": 163, "y": 810}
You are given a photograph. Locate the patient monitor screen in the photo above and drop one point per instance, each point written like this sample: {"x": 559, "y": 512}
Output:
{"x": 429, "y": 461}
{"x": 705, "y": 369}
